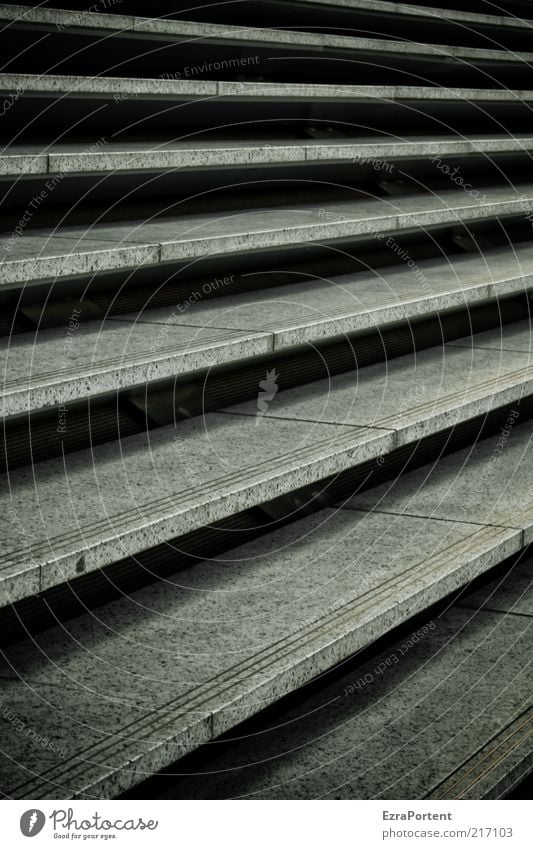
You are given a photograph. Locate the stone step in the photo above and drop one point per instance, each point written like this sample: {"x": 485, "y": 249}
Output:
{"x": 443, "y": 713}
{"x": 489, "y": 16}
{"x": 54, "y": 367}
{"x": 62, "y": 87}
{"x": 152, "y": 676}
{"x": 78, "y": 513}
{"x": 111, "y": 156}
{"x": 192, "y": 34}
{"x": 65, "y": 252}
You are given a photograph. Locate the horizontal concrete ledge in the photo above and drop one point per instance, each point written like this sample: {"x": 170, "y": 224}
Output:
{"x": 408, "y": 9}
{"x": 94, "y": 20}
{"x": 122, "y": 88}
{"x": 501, "y": 764}
{"x": 106, "y": 156}
{"x": 334, "y": 586}
{"x": 72, "y": 515}
{"x": 429, "y": 717}
{"x": 74, "y": 251}
{"x": 59, "y": 366}
{"x": 201, "y": 33}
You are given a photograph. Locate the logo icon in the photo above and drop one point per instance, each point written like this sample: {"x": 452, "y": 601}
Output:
{"x": 269, "y": 390}
{"x": 32, "y": 822}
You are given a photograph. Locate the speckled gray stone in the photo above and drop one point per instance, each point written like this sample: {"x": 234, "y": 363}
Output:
{"x": 489, "y": 483}
{"x": 510, "y": 593}
{"x": 508, "y": 337}
{"x": 75, "y": 514}
{"x": 71, "y": 158}
{"x": 80, "y": 360}
{"x": 108, "y": 87}
{"x": 416, "y": 395}
{"x": 426, "y": 11}
{"x": 65, "y": 17}
{"x": 394, "y": 728}
{"x": 76, "y": 250}
{"x": 501, "y": 765}
{"x": 41, "y": 257}
{"x": 78, "y": 742}
{"x": 228, "y": 637}
{"x": 313, "y": 310}
{"x": 93, "y": 19}
{"x": 157, "y": 89}
{"x": 200, "y": 32}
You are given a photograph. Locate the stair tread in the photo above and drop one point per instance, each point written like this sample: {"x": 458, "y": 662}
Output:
{"x": 417, "y": 721}
{"x": 119, "y": 22}
{"x": 66, "y": 86}
{"x": 70, "y": 363}
{"x": 199, "y": 32}
{"x": 75, "y": 250}
{"x": 225, "y": 638}
{"x": 70, "y": 159}
{"x": 119, "y": 499}
{"x": 501, "y": 495}
{"x": 49, "y": 367}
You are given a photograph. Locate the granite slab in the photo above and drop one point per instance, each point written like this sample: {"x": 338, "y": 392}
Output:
{"x": 76, "y": 250}
{"x": 71, "y": 515}
{"x": 488, "y": 483}
{"x": 226, "y": 637}
{"x": 71, "y": 158}
{"x": 510, "y": 593}
{"x": 311, "y": 310}
{"x": 94, "y": 19}
{"x": 160, "y": 89}
{"x": 52, "y": 367}
{"x": 425, "y": 11}
{"x": 500, "y": 766}
{"x": 44, "y": 256}
{"x": 508, "y": 337}
{"x": 415, "y": 395}
{"x": 201, "y": 32}
{"x": 78, "y": 742}
{"x": 394, "y": 728}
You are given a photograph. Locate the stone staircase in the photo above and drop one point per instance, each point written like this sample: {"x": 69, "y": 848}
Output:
{"x": 267, "y": 400}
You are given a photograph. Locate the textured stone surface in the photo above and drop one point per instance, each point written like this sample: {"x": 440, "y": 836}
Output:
{"x": 500, "y": 766}
{"x": 71, "y": 158}
{"x": 76, "y": 250}
{"x": 76, "y": 514}
{"x": 65, "y": 364}
{"x": 228, "y": 637}
{"x": 312, "y": 310}
{"x": 125, "y": 21}
{"x": 509, "y": 337}
{"x": 45, "y": 256}
{"x": 425, "y": 11}
{"x": 59, "y": 741}
{"x": 415, "y": 395}
{"x": 489, "y": 483}
{"x": 510, "y": 593}
{"x": 156, "y": 88}
{"x": 394, "y": 728}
